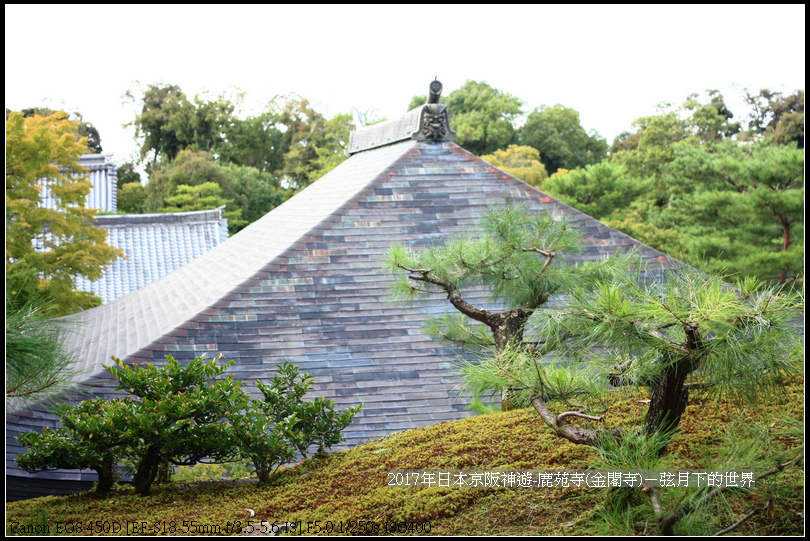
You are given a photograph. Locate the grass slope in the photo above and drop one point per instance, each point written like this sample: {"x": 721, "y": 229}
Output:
{"x": 352, "y": 485}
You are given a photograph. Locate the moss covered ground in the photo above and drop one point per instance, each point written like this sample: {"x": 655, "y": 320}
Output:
{"x": 339, "y": 491}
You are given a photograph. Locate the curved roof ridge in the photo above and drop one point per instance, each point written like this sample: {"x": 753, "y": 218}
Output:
{"x": 172, "y": 218}
{"x": 157, "y": 309}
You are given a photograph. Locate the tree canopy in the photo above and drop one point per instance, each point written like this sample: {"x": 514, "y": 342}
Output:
{"x": 521, "y": 162}
{"x": 563, "y": 143}
{"x": 709, "y": 191}
{"x": 483, "y": 117}
{"x": 637, "y": 188}
{"x": 83, "y": 128}
{"x": 46, "y": 248}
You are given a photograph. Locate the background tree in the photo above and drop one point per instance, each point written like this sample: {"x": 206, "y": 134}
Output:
{"x": 599, "y": 190}
{"x": 653, "y": 145}
{"x": 127, "y": 174}
{"x": 205, "y": 196}
{"x": 55, "y": 244}
{"x": 521, "y": 162}
{"x": 422, "y": 99}
{"x": 774, "y": 114}
{"x": 84, "y": 129}
{"x": 332, "y": 148}
{"x": 165, "y": 123}
{"x": 204, "y": 140}
{"x": 300, "y": 141}
{"x": 483, "y": 117}
{"x": 251, "y": 193}
{"x": 698, "y": 202}
{"x": 256, "y": 141}
{"x": 255, "y": 192}
{"x": 740, "y": 206}
{"x": 563, "y": 143}
{"x": 131, "y": 198}
{"x": 711, "y": 121}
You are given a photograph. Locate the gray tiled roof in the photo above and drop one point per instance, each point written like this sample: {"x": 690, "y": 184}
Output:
{"x": 154, "y": 245}
{"x": 303, "y": 284}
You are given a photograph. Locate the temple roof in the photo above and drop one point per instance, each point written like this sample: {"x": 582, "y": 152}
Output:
{"x": 154, "y": 245}
{"x": 304, "y": 285}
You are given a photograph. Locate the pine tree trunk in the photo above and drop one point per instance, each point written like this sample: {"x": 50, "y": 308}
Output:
{"x": 669, "y": 397}
{"x": 509, "y": 330}
{"x": 668, "y": 400}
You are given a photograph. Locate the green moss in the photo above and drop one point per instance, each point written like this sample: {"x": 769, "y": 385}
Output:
{"x": 351, "y": 485}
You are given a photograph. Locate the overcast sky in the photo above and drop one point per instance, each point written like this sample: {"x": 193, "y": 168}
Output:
{"x": 612, "y": 64}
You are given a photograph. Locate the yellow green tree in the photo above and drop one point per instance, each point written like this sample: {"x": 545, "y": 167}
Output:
{"x": 47, "y": 248}
{"x": 207, "y": 195}
{"x": 521, "y": 162}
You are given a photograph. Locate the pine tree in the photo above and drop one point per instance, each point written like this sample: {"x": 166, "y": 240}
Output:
{"x": 519, "y": 260}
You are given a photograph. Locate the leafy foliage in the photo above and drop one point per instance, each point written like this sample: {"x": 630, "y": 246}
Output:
{"x": 777, "y": 115}
{"x": 521, "y": 162}
{"x": 207, "y": 195}
{"x": 182, "y": 415}
{"x": 756, "y": 193}
{"x": 563, "y": 143}
{"x": 179, "y": 417}
{"x": 262, "y": 439}
{"x": 246, "y": 191}
{"x": 131, "y": 198}
{"x": 164, "y": 121}
{"x": 93, "y": 432}
{"x": 57, "y": 244}
{"x": 316, "y": 422}
{"x": 84, "y": 130}
{"x": 599, "y": 190}
{"x": 126, "y": 174}
{"x": 690, "y": 183}
{"x": 483, "y": 117}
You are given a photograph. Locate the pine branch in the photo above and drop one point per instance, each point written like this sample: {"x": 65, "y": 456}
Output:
{"x": 561, "y": 417}
{"x": 573, "y": 434}
{"x": 668, "y": 523}
{"x": 750, "y": 514}
{"x": 453, "y": 295}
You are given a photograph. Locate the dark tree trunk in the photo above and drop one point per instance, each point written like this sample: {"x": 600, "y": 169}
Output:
{"x": 147, "y": 471}
{"x": 785, "y": 245}
{"x": 264, "y": 476}
{"x": 669, "y": 397}
{"x": 106, "y": 477}
{"x": 507, "y": 328}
